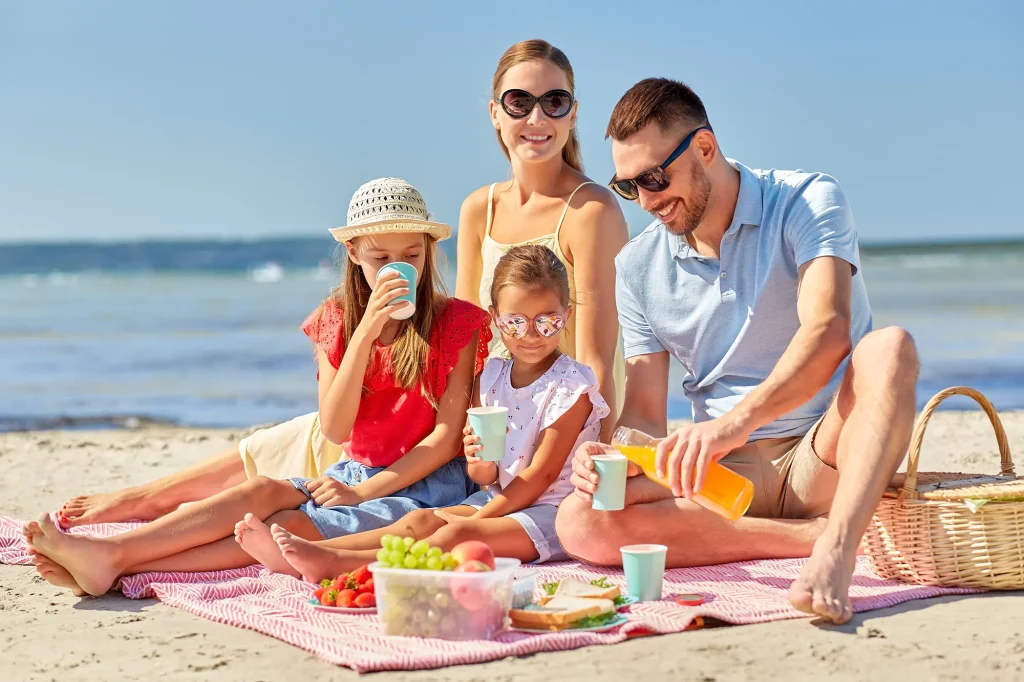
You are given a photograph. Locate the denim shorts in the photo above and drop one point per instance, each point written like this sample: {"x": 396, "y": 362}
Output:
{"x": 538, "y": 521}
{"x": 445, "y": 487}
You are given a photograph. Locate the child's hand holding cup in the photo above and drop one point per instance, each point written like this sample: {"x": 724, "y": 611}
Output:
{"x": 408, "y": 273}
{"x": 488, "y": 425}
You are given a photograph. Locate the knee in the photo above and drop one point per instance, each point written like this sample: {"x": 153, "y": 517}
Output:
{"x": 262, "y": 488}
{"x": 890, "y": 350}
{"x": 585, "y": 533}
{"x": 420, "y": 523}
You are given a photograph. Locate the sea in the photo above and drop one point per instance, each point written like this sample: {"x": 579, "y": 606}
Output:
{"x": 206, "y": 333}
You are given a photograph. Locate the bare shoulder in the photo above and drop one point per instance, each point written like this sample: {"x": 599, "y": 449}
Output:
{"x": 595, "y": 216}
{"x": 475, "y": 205}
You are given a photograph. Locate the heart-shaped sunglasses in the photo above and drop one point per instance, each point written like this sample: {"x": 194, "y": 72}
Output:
{"x": 518, "y": 326}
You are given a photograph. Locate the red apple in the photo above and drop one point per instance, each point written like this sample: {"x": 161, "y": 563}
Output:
{"x": 474, "y": 550}
{"x": 472, "y": 593}
{"x": 473, "y": 567}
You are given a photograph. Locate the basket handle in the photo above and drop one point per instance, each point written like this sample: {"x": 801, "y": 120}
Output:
{"x": 916, "y": 440}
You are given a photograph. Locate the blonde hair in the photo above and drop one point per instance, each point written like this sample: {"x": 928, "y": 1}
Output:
{"x": 410, "y": 350}
{"x": 540, "y": 51}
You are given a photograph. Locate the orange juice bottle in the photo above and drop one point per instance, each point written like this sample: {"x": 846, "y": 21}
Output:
{"x": 724, "y": 492}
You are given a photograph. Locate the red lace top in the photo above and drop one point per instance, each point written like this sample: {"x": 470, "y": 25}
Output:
{"x": 391, "y": 420}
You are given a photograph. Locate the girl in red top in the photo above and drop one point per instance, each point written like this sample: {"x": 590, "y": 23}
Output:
{"x": 393, "y": 392}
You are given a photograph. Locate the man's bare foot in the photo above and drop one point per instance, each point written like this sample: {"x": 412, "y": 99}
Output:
{"x": 312, "y": 561}
{"x": 823, "y": 588}
{"x": 121, "y": 505}
{"x": 89, "y": 561}
{"x": 254, "y": 537}
{"x": 54, "y": 574}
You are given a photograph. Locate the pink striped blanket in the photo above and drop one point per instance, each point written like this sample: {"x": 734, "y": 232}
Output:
{"x": 276, "y": 605}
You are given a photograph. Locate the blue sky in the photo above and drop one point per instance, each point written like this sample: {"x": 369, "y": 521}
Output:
{"x": 185, "y": 119}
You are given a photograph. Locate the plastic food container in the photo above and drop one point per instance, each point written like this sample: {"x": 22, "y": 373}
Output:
{"x": 444, "y": 604}
{"x": 523, "y": 588}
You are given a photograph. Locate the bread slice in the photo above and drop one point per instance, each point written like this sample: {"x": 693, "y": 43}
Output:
{"x": 570, "y": 587}
{"x": 560, "y": 612}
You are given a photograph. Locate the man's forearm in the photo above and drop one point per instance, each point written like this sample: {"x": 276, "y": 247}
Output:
{"x": 642, "y": 420}
{"x": 806, "y": 367}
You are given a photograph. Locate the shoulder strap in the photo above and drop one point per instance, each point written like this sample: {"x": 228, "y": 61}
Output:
{"x": 558, "y": 228}
{"x": 490, "y": 209}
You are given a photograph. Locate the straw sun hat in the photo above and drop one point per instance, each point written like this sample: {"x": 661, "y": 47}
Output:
{"x": 385, "y": 206}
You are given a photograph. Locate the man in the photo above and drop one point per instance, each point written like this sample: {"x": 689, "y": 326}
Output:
{"x": 751, "y": 280}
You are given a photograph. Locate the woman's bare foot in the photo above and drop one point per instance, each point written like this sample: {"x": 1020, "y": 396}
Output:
{"x": 55, "y": 574}
{"x": 823, "y": 588}
{"x": 122, "y": 505}
{"x": 90, "y": 563}
{"x": 254, "y": 537}
{"x": 312, "y": 561}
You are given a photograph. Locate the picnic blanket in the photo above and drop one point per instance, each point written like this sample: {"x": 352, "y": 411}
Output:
{"x": 276, "y": 605}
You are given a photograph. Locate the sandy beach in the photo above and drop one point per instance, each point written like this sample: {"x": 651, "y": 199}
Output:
{"x": 51, "y": 635}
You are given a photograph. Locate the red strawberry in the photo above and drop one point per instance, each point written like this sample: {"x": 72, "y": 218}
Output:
{"x": 366, "y": 600}
{"x": 318, "y": 592}
{"x": 341, "y": 582}
{"x": 360, "y": 575}
{"x": 326, "y": 582}
{"x": 366, "y": 588}
{"x": 345, "y": 598}
{"x": 329, "y": 597}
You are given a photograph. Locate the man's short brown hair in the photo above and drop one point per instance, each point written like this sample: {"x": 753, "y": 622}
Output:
{"x": 667, "y": 102}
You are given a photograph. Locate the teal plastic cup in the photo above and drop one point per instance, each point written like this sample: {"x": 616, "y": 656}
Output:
{"x": 489, "y": 424}
{"x": 611, "y": 482}
{"x": 408, "y": 273}
{"x": 644, "y": 566}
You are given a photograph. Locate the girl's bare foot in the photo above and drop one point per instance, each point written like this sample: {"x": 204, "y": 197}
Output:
{"x": 90, "y": 563}
{"x": 254, "y": 537}
{"x": 122, "y": 505}
{"x": 312, "y": 561}
{"x": 55, "y": 574}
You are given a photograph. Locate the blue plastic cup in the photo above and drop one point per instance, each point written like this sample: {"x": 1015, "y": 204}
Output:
{"x": 611, "y": 484}
{"x": 489, "y": 424}
{"x": 408, "y": 273}
{"x": 644, "y": 566}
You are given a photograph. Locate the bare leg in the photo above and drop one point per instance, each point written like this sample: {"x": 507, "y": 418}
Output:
{"x": 157, "y": 498}
{"x": 693, "y": 535}
{"x": 866, "y": 433}
{"x": 95, "y": 563}
{"x": 253, "y": 536}
{"x": 319, "y": 560}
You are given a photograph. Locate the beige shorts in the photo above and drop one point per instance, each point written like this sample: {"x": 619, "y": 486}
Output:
{"x": 790, "y": 481}
{"x": 293, "y": 449}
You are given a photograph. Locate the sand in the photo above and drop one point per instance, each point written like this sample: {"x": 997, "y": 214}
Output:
{"x": 51, "y": 635}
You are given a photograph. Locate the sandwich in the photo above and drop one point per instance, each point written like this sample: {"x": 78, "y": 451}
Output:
{"x": 570, "y": 587}
{"x": 564, "y": 613}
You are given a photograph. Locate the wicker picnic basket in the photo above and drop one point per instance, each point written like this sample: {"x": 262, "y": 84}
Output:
{"x": 952, "y": 529}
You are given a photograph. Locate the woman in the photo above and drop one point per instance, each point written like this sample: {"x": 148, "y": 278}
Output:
{"x": 550, "y": 202}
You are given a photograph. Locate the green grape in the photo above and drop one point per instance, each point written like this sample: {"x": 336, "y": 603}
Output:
{"x": 449, "y": 561}
{"x": 384, "y": 564}
{"x": 385, "y": 541}
{"x": 433, "y": 616}
{"x": 408, "y": 543}
{"x": 396, "y": 558}
{"x": 411, "y": 561}
{"x": 435, "y": 551}
{"x": 421, "y": 562}
{"x": 397, "y": 545}
{"x": 420, "y": 548}
{"x": 383, "y": 554}
{"x": 434, "y": 564}
{"x": 441, "y": 600}
{"x": 447, "y": 624}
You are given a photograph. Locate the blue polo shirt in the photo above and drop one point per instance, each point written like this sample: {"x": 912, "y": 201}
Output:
{"x": 729, "y": 320}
